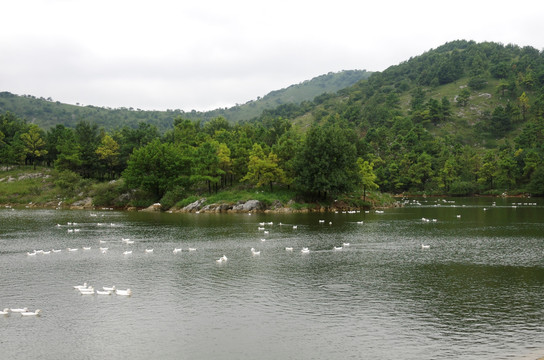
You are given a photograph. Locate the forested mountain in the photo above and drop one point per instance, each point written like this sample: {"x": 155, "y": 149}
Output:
{"x": 465, "y": 118}
{"x": 47, "y": 113}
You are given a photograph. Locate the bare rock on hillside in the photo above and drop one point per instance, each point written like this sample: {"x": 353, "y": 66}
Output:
{"x": 153, "y": 208}
{"x": 195, "y": 206}
{"x": 86, "y": 203}
{"x": 250, "y": 205}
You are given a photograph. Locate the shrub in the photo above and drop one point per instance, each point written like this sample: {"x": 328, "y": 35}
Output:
{"x": 107, "y": 194}
{"x": 171, "y": 197}
{"x": 462, "y": 188}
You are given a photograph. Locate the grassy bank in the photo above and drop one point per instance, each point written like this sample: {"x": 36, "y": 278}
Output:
{"x": 46, "y": 187}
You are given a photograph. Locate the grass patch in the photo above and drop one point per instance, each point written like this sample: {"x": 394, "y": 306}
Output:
{"x": 266, "y": 197}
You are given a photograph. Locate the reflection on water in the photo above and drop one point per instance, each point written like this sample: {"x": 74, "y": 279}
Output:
{"x": 476, "y": 293}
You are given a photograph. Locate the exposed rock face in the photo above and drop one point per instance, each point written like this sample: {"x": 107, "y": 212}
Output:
{"x": 193, "y": 207}
{"x": 153, "y": 208}
{"x": 216, "y": 208}
{"x": 250, "y": 205}
{"x": 86, "y": 203}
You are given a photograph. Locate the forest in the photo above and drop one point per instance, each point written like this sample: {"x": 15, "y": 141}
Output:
{"x": 463, "y": 119}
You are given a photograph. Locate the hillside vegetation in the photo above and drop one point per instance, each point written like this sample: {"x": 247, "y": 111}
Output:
{"x": 47, "y": 113}
{"x": 465, "y": 118}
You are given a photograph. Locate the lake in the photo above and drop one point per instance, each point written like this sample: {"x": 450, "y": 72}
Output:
{"x": 474, "y": 290}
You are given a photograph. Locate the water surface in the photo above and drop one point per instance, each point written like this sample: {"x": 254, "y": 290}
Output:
{"x": 476, "y": 293}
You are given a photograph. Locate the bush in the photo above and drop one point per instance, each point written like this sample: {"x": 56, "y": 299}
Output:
{"x": 477, "y": 83}
{"x": 171, "y": 197}
{"x": 107, "y": 194}
{"x": 68, "y": 180}
{"x": 187, "y": 201}
{"x": 462, "y": 188}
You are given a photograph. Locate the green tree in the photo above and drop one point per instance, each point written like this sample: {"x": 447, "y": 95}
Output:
{"x": 206, "y": 164}
{"x": 327, "y": 162}
{"x": 34, "y": 145}
{"x": 158, "y": 168}
{"x": 287, "y": 146}
{"x": 68, "y": 158}
{"x": 524, "y": 105}
{"x": 463, "y": 97}
{"x": 88, "y": 139}
{"x": 488, "y": 170}
{"x": 367, "y": 177}
{"x": 445, "y": 108}
{"x": 263, "y": 169}
{"x": 108, "y": 153}
{"x": 225, "y": 163}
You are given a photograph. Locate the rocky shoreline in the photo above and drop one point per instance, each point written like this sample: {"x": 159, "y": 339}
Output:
{"x": 249, "y": 206}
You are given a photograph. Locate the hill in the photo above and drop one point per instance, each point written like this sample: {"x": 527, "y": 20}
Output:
{"x": 464, "y": 118}
{"x": 458, "y": 119}
{"x": 47, "y": 113}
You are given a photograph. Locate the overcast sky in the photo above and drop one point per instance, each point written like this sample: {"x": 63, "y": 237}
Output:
{"x": 205, "y": 54}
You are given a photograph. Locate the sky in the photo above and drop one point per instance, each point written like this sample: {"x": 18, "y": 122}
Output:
{"x": 208, "y": 54}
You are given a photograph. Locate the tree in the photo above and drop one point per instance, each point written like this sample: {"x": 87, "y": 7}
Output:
{"x": 206, "y": 164}
{"x": 367, "y": 177}
{"x": 108, "y": 152}
{"x": 34, "y": 145}
{"x": 88, "y": 139}
{"x": 446, "y": 108}
{"x": 489, "y": 170}
{"x": 225, "y": 162}
{"x": 524, "y": 105}
{"x": 463, "y": 97}
{"x": 157, "y": 168}
{"x": 327, "y": 162}
{"x": 287, "y": 146}
{"x": 68, "y": 157}
{"x": 263, "y": 169}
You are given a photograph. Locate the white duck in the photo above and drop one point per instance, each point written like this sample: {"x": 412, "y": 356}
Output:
{"x": 289, "y": 248}
{"x": 148, "y": 251}
{"x": 305, "y": 250}
{"x": 106, "y": 288}
{"x": 176, "y": 250}
{"x": 87, "y": 291}
{"x": 19, "y": 310}
{"x": 254, "y": 252}
{"x": 126, "y": 292}
{"x": 4, "y": 312}
{"x": 30, "y": 313}
{"x": 84, "y": 286}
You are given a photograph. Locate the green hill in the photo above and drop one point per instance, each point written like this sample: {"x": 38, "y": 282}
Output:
{"x": 47, "y": 113}
{"x": 464, "y": 118}
{"x": 436, "y": 121}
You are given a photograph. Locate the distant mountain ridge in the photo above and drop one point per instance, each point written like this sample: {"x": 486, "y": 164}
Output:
{"x": 48, "y": 113}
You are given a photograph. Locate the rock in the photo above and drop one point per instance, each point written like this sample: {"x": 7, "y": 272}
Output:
{"x": 153, "y": 208}
{"x": 277, "y": 205}
{"x": 123, "y": 198}
{"x": 195, "y": 206}
{"x": 250, "y": 205}
{"x": 86, "y": 203}
{"x": 223, "y": 208}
